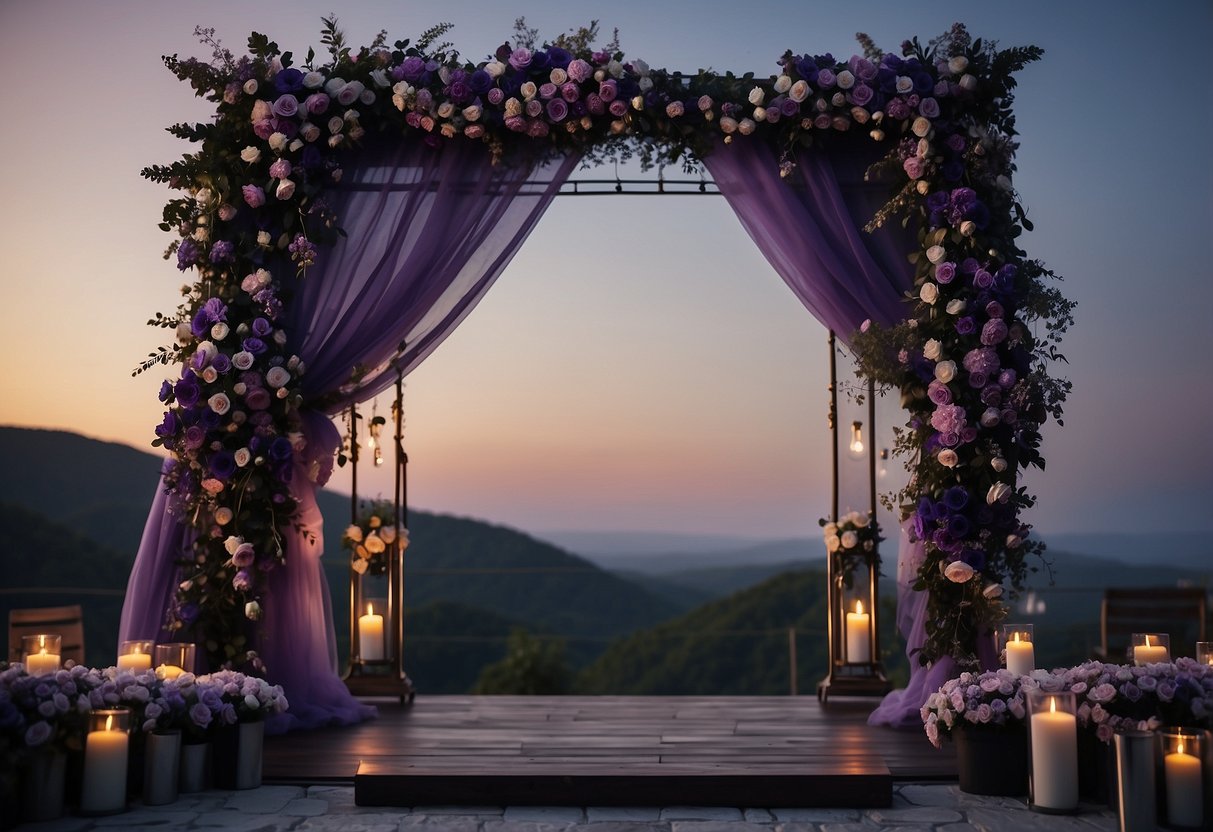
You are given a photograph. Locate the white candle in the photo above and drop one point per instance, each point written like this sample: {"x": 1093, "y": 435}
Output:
{"x": 168, "y": 671}
{"x": 104, "y": 787}
{"x": 1021, "y": 656}
{"x": 370, "y": 635}
{"x": 42, "y": 663}
{"x": 1184, "y": 796}
{"x": 1054, "y": 759}
{"x": 136, "y": 661}
{"x": 859, "y": 643}
{"x": 1150, "y": 653}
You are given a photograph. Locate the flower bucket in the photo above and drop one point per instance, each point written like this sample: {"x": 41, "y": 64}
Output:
{"x": 992, "y": 762}
{"x": 1096, "y": 770}
{"x": 195, "y": 767}
{"x": 45, "y": 786}
{"x": 238, "y": 754}
{"x": 162, "y": 758}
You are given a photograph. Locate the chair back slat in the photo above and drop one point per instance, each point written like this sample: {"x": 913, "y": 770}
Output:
{"x": 66, "y": 622}
{"x": 1180, "y": 612}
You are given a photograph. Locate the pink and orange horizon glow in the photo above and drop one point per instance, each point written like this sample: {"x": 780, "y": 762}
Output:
{"x": 639, "y": 366}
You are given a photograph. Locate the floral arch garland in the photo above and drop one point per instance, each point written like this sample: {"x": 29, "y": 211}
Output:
{"x": 970, "y": 358}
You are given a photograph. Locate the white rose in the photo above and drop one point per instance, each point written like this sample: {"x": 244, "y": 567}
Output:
{"x": 388, "y": 533}
{"x": 219, "y": 403}
{"x": 998, "y": 464}
{"x": 958, "y": 64}
{"x": 992, "y": 591}
{"x": 223, "y": 515}
{"x": 210, "y": 375}
{"x": 220, "y": 331}
{"x": 313, "y": 80}
{"x": 277, "y": 377}
{"x": 760, "y": 114}
{"x": 374, "y": 544}
{"x": 250, "y": 86}
{"x": 947, "y": 458}
{"x": 528, "y": 90}
{"x": 471, "y": 113}
{"x": 958, "y": 572}
{"x": 932, "y": 349}
{"x": 354, "y": 532}
{"x": 239, "y": 388}
{"x": 285, "y": 189}
{"x": 849, "y": 539}
{"x": 968, "y": 83}
{"x": 861, "y": 520}
{"x": 336, "y": 124}
{"x": 446, "y": 109}
{"x": 309, "y": 131}
{"x": 877, "y": 135}
{"x": 252, "y": 611}
{"x": 936, "y": 253}
{"x": 945, "y": 371}
{"x": 728, "y": 125}
{"x": 845, "y": 80}
{"x": 202, "y": 234}
{"x": 380, "y": 78}
{"x": 745, "y": 127}
{"x": 782, "y": 84}
{"x": 359, "y": 566}
{"x": 799, "y": 91}
{"x": 296, "y": 145}
{"x": 838, "y": 99}
{"x": 645, "y": 84}
{"x": 757, "y": 96}
{"x": 990, "y": 417}
{"x": 860, "y": 115}
{"x": 243, "y": 360}
{"x": 263, "y": 239}
{"x": 922, "y": 186}
{"x": 184, "y": 333}
{"x": 614, "y": 69}
{"x": 243, "y": 457}
{"x": 999, "y": 492}
{"x": 404, "y": 539}
{"x": 924, "y": 149}
{"x": 495, "y": 68}
{"x": 956, "y": 307}
{"x": 833, "y": 543}
{"x": 921, "y": 127}
{"x": 232, "y": 543}
{"x": 968, "y": 228}
{"x": 277, "y": 142}
{"x": 250, "y": 154}
{"x": 905, "y": 84}
{"x": 1014, "y": 541}
{"x": 929, "y": 293}
{"x": 830, "y": 529}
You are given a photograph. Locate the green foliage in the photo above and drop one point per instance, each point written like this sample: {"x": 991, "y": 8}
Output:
{"x": 532, "y": 666}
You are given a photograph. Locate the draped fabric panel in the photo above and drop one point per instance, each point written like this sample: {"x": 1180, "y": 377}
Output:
{"x": 429, "y": 231}
{"x": 810, "y": 229}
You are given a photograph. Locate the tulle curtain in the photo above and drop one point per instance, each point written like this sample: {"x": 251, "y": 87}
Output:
{"x": 811, "y": 231}
{"x": 429, "y": 231}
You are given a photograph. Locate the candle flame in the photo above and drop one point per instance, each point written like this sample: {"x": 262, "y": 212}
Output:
{"x": 43, "y": 653}
{"x": 109, "y": 722}
{"x": 42, "y": 643}
{"x": 1179, "y": 748}
{"x": 1015, "y": 636}
{"x": 1147, "y": 641}
{"x": 1052, "y": 704}
{"x": 370, "y": 609}
{"x": 859, "y": 607}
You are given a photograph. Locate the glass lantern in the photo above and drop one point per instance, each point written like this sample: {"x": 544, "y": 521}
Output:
{"x": 1053, "y": 751}
{"x": 1019, "y": 651}
{"x": 42, "y": 653}
{"x": 1150, "y": 648}
{"x": 1182, "y": 752}
{"x": 106, "y": 748}
{"x": 174, "y": 658}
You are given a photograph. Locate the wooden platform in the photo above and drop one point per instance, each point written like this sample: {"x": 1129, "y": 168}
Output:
{"x": 604, "y": 751}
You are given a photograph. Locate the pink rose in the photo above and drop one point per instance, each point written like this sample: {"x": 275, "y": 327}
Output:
{"x": 580, "y": 71}
{"x": 253, "y": 195}
{"x": 317, "y": 103}
{"x": 285, "y": 190}
{"x": 281, "y": 169}
{"x": 914, "y": 167}
{"x": 607, "y": 91}
{"x": 286, "y": 106}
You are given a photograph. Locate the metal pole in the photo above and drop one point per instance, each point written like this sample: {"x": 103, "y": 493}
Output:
{"x": 874, "y": 633}
{"x": 792, "y": 660}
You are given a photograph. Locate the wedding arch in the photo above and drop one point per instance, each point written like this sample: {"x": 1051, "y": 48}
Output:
{"x": 342, "y": 217}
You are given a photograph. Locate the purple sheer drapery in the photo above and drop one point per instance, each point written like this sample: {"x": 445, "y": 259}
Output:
{"x": 429, "y": 231}
{"x": 811, "y": 231}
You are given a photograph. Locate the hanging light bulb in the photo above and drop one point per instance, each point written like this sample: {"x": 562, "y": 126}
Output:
{"x": 378, "y": 456}
{"x": 884, "y": 462}
{"x": 855, "y": 449}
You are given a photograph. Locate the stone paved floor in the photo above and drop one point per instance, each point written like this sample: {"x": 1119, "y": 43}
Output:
{"x": 916, "y": 808}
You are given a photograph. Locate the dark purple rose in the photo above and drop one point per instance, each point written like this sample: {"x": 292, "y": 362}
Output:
{"x": 166, "y": 391}
{"x": 939, "y": 393}
{"x": 969, "y": 265}
{"x": 288, "y": 80}
{"x": 787, "y": 107}
{"x": 195, "y": 435}
{"x": 945, "y": 272}
{"x": 978, "y": 380}
{"x": 956, "y": 143}
{"x": 968, "y": 433}
{"x": 956, "y": 497}
{"x": 862, "y": 68}
{"x": 254, "y": 345}
{"x": 223, "y": 251}
{"x": 559, "y": 58}
{"x": 994, "y": 309}
{"x": 966, "y": 325}
{"x": 262, "y": 327}
{"x": 959, "y": 526}
{"x": 186, "y": 389}
{"x": 541, "y": 59}
{"x": 929, "y": 108}
{"x": 187, "y": 254}
{"x": 280, "y": 449}
{"x": 991, "y": 395}
{"x": 480, "y": 82}
{"x": 412, "y": 68}
{"x": 169, "y": 427}
{"x": 1006, "y": 379}
{"x": 975, "y": 558}
{"x": 897, "y": 109}
{"x": 188, "y": 613}
{"x": 223, "y": 465}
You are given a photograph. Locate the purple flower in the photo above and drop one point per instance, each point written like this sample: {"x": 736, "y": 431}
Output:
{"x": 38, "y": 733}
{"x": 1006, "y": 379}
{"x": 257, "y": 398}
{"x": 187, "y": 254}
{"x": 242, "y": 581}
{"x": 253, "y": 195}
{"x": 948, "y": 418}
{"x": 984, "y": 360}
{"x": 195, "y": 435}
{"x": 288, "y": 80}
{"x": 557, "y": 109}
{"x": 200, "y": 715}
{"x": 939, "y": 393}
{"x": 914, "y": 167}
{"x": 280, "y": 449}
{"x": 994, "y": 332}
{"x": 262, "y": 328}
{"x": 186, "y": 389}
{"x": 929, "y": 107}
{"x": 244, "y": 555}
{"x": 253, "y": 345}
{"x": 223, "y": 251}
{"x": 956, "y": 143}
{"x": 222, "y": 465}
{"x": 956, "y": 497}
{"x": 945, "y": 272}
{"x": 169, "y": 426}
{"x": 966, "y": 325}
{"x": 520, "y": 58}
{"x": 861, "y": 95}
{"x": 286, "y": 106}
{"x": 412, "y": 68}
{"x": 166, "y": 391}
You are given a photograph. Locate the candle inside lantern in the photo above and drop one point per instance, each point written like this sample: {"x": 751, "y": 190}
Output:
{"x": 1151, "y": 653}
{"x": 136, "y": 658}
{"x": 1184, "y": 797}
{"x": 104, "y": 785}
{"x": 1054, "y": 736}
{"x": 1021, "y": 655}
{"x": 370, "y": 635}
{"x": 168, "y": 671}
{"x": 859, "y": 644}
{"x": 43, "y": 656}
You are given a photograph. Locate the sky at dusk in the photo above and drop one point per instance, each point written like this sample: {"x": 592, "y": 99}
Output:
{"x": 639, "y": 366}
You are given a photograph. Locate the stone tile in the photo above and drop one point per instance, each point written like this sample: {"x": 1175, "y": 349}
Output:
{"x": 440, "y": 823}
{"x": 371, "y": 822}
{"x": 143, "y": 817}
{"x": 598, "y": 814}
{"x": 63, "y": 824}
{"x": 816, "y": 815}
{"x": 795, "y": 826}
{"x": 758, "y": 816}
{"x": 914, "y": 814}
{"x": 308, "y": 807}
{"x": 853, "y": 827}
{"x": 957, "y": 827}
{"x": 988, "y": 820}
{"x": 545, "y": 814}
{"x": 935, "y": 795}
{"x": 700, "y": 813}
{"x": 625, "y": 826}
{"x": 266, "y": 800}
{"x": 716, "y": 826}
{"x": 243, "y": 822}
{"x": 493, "y": 811}
{"x": 494, "y": 825}
{"x": 983, "y": 801}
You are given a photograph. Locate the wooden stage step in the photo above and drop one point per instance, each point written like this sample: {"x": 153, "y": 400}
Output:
{"x": 613, "y": 751}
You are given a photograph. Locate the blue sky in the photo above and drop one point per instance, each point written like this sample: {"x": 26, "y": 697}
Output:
{"x": 639, "y": 366}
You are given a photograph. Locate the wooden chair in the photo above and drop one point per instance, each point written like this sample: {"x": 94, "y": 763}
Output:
{"x": 1181, "y": 612}
{"x": 67, "y": 622}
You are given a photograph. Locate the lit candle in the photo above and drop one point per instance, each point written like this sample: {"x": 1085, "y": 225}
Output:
{"x": 104, "y": 786}
{"x": 1054, "y": 758}
{"x": 859, "y": 644}
{"x": 135, "y": 661}
{"x": 370, "y": 635}
{"x": 1021, "y": 656}
{"x": 41, "y": 663}
{"x": 168, "y": 671}
{"x": 1184, "y": 796}
{"x": 1150, "y": 653}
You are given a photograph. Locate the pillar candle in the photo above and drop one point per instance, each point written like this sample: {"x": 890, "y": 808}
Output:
{"x": 1054, "y": 759}
{"x": 859, "y": 643}
{"x": 370, "y": 635}
{"x": 168, "y": 671}
{"x": 1184, "y": 798}
{"x": 104, "y": 786}
{"x": 39, "y": 664}
{"x": 1021, "y": 656}
{"x": 135, "y": 661}
{"x": 1150, "y": 653}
